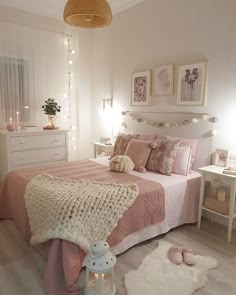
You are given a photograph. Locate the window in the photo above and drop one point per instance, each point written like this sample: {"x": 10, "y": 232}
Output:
{"x": 14, "y": 89}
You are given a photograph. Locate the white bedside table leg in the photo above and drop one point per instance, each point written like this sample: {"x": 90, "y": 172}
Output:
{"x": 202, "y": 192}
{"x": 231, "y": 211}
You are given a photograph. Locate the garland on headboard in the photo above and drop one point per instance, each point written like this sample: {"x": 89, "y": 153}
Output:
{"x": 197, "y": 117}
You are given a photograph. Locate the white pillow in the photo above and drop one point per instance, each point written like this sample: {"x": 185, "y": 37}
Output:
{"x": 182, "y": 160}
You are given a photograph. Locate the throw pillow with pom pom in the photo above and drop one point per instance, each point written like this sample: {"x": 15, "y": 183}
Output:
{"x": 121, "y": 164}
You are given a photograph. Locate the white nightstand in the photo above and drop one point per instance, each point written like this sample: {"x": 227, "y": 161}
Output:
{"x": 100, "y": 148}
{"x": 215, "y": 174}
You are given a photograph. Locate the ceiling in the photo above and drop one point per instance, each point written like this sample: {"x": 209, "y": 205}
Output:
{"x": 54, "y": 8}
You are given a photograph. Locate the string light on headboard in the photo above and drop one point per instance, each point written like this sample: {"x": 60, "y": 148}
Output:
{"x": 196, "y": 119}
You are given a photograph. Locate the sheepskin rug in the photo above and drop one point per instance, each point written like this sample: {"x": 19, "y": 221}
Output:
{"x": 157, "y": 275}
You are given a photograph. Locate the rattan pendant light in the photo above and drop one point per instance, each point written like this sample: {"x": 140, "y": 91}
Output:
{"x": 88, "y": 13}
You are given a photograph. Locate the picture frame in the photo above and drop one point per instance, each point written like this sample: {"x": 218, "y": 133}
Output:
{"x": 192, "y": 84}
{"x": 141, "y": 86}
{"x": 221, "y": 158}
{"x": 163, "y": 80}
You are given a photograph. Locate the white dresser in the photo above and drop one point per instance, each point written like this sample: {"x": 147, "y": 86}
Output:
{"x": 30, "y": 148}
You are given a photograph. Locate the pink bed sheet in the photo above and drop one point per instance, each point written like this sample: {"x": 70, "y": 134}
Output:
{"x": 64, "y": 259}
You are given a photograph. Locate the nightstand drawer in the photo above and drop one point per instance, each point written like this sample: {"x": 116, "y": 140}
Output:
{"x": 21, "y": 143}
{"x": 225, "y": 180}
{"x": 25, "y": 158}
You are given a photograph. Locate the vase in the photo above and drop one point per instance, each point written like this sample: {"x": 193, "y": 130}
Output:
{"x": 50, "y": 123}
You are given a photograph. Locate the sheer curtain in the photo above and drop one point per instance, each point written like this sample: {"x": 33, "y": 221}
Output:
{"x": 33, "y": 67}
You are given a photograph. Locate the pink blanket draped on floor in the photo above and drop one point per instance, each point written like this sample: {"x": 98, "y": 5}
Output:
{"x": 64, "y": 259}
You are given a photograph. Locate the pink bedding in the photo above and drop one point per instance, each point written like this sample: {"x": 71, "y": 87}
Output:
{"x": 64, "y": 258}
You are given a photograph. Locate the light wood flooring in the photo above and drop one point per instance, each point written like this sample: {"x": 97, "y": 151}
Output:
{"x": 21, "y": 267}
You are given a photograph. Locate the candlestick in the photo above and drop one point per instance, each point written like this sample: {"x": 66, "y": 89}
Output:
{"x": 17, "y": 121}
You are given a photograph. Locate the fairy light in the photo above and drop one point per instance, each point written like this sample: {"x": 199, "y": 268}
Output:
{"x": 67, "y": 96}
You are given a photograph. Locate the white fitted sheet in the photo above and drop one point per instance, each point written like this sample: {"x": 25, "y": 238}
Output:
{"x": 181, "y": 204}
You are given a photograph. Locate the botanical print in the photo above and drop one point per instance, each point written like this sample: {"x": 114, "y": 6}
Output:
{"x": 141, "y": 88}
{"x": 191, "y": 84}
{"x": 163, "y": 80}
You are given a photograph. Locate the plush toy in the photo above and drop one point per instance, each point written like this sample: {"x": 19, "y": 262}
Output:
{"x": 121, "y": 163}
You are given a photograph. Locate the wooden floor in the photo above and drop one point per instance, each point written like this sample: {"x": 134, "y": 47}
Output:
{"x": 21, "y": 267}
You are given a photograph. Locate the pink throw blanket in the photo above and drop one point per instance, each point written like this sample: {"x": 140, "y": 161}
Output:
{"x": 64, "y": 258}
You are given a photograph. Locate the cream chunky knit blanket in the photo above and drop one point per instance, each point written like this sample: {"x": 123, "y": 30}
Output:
{"x": 78, "y": 211}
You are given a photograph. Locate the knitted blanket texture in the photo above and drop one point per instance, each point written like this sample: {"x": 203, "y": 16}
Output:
{"x": 78, "y": 211}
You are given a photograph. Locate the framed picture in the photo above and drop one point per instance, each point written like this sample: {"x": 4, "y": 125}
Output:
{"x": 163, "y": 80}
{"x": 191, "y": 84}
{"x": 221, "y": 158}
{"x": 141, "y": 88}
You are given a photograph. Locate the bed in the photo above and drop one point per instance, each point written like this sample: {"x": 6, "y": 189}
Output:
{"x": 64, "y": 259}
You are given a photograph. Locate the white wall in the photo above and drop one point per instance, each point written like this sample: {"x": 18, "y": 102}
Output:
{"x": 82, "y": 84}
{"x": 158, "y": 32}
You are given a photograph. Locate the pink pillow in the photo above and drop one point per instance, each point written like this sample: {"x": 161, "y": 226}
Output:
{"x": 162, "y": 157}
{"x": 184, "y": 142}
{"x": 139, "y": 151}
{"x": 193, "y": 144}
{"x": 182, "y": 160}
{"x": 151, "y": 137}
{"x": 121, "y": 143}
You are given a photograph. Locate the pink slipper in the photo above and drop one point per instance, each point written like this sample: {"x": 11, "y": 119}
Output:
{"x": 175, "y": 255}
{"x": 188, "y": 256}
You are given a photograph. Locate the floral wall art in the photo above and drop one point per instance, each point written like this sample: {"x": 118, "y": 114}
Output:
{"x": 141, "y": 88}
{"x": 163, "y": 80}
{"x": 191, "y": 84}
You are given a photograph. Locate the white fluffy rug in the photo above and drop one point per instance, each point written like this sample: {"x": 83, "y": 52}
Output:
{"x": 157, "y": 275}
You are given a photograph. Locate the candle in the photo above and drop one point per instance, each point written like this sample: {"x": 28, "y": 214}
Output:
{"x": 97, "y": 281}
{"x": 221, "y": 195}
{"x": 10, "y": 121}
{"x": 17, "y": 121}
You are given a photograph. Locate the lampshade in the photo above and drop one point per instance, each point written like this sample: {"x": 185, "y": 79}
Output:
{"x": 88, "y": 13}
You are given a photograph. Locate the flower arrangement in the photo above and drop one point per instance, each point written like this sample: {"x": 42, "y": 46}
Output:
{"x": 51, "y": 108}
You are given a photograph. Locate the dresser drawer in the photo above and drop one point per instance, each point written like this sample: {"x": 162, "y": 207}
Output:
{"x": 21, "y": 143}
{"x": 25, "y": 158}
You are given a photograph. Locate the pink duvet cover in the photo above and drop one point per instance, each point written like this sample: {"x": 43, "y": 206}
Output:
{"x": 64, "y": 259}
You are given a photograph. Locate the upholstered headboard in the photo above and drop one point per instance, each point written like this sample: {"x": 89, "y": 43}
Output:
{"x": 184, "y": 125}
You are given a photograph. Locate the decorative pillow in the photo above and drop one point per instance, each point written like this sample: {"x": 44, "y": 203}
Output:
{"x": 162, "y": 157}
{"x": 121, "y": 143}
{"x": 182, "y": 160}
{"x": 139, "y": 151}
{"x": 193, "y": 144}
{"x": 121, "y": 164}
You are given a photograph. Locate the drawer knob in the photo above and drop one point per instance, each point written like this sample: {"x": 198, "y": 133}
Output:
{"x": 22, "y": 158}
{"x": 56, "y": 154}
{"x": 21, "y": 142}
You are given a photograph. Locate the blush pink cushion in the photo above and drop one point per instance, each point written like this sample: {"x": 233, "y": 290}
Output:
{"x": 193, "y": 144}
{"x": 182, "y": 160}
{"x": 139, "y": 151}
{"x": 183, "y": 142}
{"x": 151, "y": 137}
{"x": 121, "y": 143}
{"x": 162, "y": 157}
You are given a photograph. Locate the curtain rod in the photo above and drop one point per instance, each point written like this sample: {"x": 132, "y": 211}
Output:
{"x": 34, "y": 27}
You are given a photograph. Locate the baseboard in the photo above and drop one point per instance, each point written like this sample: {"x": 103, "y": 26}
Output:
{"x": 218, "y": 219}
